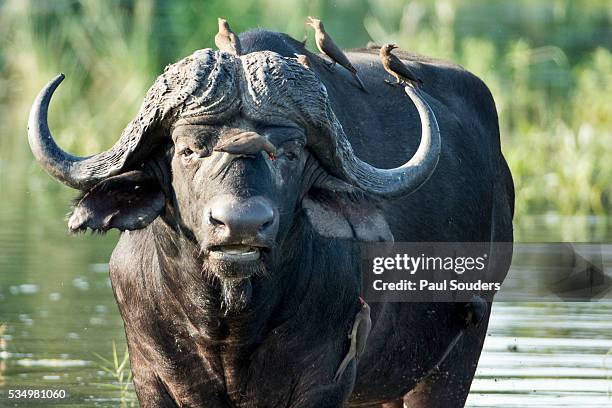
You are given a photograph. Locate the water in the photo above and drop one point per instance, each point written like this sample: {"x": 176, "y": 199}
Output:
{"x": 59, "y": 320}
{"x": 56, "y": 305}
{"x": 546, "y": 355}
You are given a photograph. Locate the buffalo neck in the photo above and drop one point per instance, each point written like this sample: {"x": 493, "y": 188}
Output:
{"x": 194, "y": 337}
{"x": 186, "y": 292}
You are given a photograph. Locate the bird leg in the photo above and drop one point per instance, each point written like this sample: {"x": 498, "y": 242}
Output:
{"x": 330, "y": 65}
{"x": 391, "y": 83}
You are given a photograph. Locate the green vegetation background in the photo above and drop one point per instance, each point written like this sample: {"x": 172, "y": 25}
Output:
{"x": 548, "y": 64}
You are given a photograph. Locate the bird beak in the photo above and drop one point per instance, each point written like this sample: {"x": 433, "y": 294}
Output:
{"x": 312, "y": 22}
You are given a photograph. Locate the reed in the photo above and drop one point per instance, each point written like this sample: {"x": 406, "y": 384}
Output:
{"x": 548, "y": 64}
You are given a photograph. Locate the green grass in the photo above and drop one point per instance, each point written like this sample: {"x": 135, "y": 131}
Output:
{"x": 117, "y": 368}
{"x": 548, "y": 64}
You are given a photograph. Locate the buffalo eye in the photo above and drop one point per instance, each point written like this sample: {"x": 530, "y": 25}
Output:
{"x": 186, "y": 152}
{"x": 187, "y": 155}
{"x": 291, "y": 156}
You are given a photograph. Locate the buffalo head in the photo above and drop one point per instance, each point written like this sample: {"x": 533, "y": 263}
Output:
{"x": 228, "y": 150}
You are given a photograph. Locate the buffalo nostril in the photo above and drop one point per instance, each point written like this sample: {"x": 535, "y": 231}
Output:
{"x": 266, "y": 225}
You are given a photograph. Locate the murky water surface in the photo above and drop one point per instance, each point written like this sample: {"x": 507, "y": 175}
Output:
{"x": 59, "y": 320}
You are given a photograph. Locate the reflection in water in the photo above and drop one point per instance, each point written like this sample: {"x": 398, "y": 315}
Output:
{"x": 58, "y": 313}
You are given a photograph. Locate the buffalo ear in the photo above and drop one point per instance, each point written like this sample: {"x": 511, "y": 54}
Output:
{"x": 346, "y": 216}
{"x": 128, "y": 201}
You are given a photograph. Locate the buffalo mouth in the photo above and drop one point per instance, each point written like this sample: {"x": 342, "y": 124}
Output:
{"x": 235, "y": 253}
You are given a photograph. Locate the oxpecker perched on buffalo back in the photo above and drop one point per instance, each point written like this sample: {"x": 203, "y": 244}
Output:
{"x": 396, "y": 67}
{"x": 328, "y": 47}
{"x": 226, "y": 40}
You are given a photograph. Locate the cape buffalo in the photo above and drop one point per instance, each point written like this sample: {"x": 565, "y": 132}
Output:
{"x": 237, "y": 272}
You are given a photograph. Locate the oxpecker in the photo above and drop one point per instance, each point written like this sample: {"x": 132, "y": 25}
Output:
{"x": 247, "y": 144}
{"x": 327, "y": 46}
{"x": 226, "y": 40}
{"x": 358, "y": 336}
{"x": 396, "y": 67}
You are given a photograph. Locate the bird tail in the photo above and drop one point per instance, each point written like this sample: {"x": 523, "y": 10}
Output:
{"x": 342, "y": 367}
{"x": 361, "y": 85}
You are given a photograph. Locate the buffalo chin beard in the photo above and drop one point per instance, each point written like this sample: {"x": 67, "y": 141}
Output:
{"x": 234, "y": 278}
{"x": 236, "y": 295}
